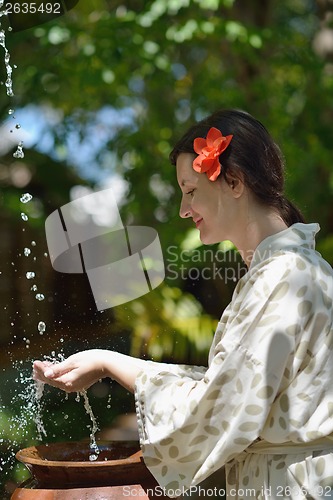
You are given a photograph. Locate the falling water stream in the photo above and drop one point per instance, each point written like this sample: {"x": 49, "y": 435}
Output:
{"x": 9, "y": 69}
{"x": 36, "y": 395}
{"x": 19, "y": 153}
{"x": 31, "y": 395}
{"x": 34, "y": 390}
{"x": 94, "y": 450}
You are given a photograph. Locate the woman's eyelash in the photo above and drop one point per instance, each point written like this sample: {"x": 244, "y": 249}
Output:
{"x": 190, "y": 192}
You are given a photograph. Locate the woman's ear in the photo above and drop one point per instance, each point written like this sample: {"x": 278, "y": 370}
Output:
{"x": 236, "y": 184}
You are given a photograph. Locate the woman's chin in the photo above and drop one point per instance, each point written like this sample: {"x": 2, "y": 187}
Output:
{"x": 207, "y": 239}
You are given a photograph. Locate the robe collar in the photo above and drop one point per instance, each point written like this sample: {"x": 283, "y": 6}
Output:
{"x": 297, "y": 235}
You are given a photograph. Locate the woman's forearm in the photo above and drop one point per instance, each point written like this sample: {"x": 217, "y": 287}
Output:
{"x": 83, "y": 369}
{"x": 122, "y": 368}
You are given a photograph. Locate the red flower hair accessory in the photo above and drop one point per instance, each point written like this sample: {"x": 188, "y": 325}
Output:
{"x": 209, "y": 150}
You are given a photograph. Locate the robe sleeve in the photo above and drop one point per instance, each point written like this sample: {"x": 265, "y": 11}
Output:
{"x": 191, "y": 420}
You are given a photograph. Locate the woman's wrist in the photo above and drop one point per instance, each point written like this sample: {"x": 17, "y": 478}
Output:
{"x": 122, "y": 368}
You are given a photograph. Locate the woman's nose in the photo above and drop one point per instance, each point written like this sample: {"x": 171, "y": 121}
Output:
{"x": 185, "y": 210}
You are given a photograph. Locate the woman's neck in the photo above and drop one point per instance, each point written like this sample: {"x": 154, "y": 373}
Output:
{"x": 255, "y": 230}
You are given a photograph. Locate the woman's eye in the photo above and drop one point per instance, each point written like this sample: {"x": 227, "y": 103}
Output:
{"x": 190, "y": 192}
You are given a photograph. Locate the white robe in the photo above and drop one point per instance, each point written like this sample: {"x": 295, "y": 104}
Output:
{"x": 264, "y": 406}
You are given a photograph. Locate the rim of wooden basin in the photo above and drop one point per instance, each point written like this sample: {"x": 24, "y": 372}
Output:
{"x": 28, "y": 455}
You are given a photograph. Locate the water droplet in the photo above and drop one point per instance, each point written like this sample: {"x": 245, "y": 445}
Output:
{"x": 93, "y": 457}
{"x": 41, "y": 327}
{"x": 33, "y": 243}
{"x": 19, "y": 151}
{"x": 24, "y": 216}
{"x": 27, "y": 251}
{"x": 30, "y": 275}
{"x": 34, "y": 288}
{"x": 11, "y": 111}
{"x": 40, "y": 296}
{"x": 25, "y": 198}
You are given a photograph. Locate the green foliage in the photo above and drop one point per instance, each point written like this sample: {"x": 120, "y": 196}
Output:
{"x": 169, "y": 63}
{"x": 169, "y": 324}
{"x": 153, "y": 68}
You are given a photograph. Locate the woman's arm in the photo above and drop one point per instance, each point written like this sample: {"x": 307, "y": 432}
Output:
{"x": 83, "y": 369}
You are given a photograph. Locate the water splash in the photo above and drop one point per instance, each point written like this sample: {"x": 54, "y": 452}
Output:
{"x": 17, "y": 429}
{"x": 31, "y": 397}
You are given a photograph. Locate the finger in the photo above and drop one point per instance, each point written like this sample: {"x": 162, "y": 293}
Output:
{"x": 38, "y": 369}
{"x": 38, "y": 374}
{"x": 56, "y": 370}
{"x": 60, "y": 383}
{"x": 66, "y": 382}
{"x": 41, "y": 365}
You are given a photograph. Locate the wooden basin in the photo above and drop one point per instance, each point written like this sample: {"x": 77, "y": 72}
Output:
{"x": 67, "y": 464}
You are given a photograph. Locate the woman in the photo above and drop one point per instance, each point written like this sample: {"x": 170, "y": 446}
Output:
{"x": 264, "y": 406}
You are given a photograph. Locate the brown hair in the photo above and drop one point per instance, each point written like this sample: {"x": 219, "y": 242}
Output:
{"x": 252, "y": 152}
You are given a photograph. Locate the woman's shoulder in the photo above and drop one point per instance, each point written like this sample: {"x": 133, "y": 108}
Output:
{"x": 294, "y": 266}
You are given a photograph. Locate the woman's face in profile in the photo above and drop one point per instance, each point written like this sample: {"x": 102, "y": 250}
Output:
{"x": 209, "y": 204}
